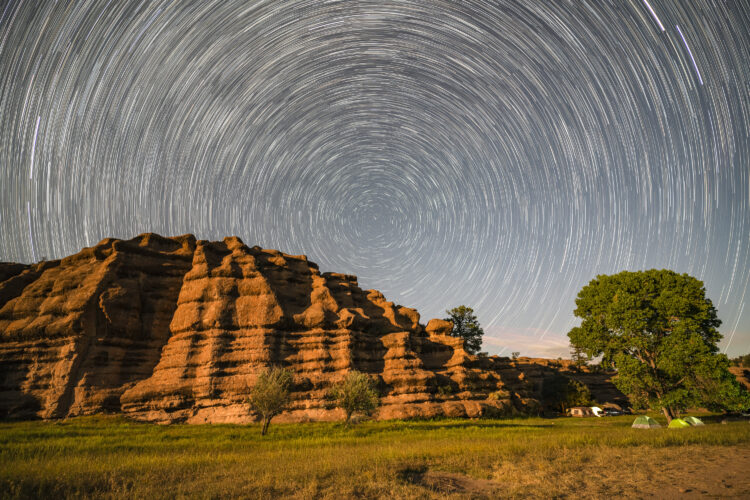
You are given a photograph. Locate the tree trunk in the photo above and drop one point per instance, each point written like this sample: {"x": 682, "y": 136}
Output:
{"x": 264, "y": 429}
{"x": 668, "y": 414}
{"x": 348, "y": 418}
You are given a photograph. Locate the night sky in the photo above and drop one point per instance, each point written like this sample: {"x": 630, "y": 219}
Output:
{"x": 498, "y": 154}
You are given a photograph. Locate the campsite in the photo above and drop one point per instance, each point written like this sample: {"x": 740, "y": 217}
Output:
{"x": 591, "y": 457}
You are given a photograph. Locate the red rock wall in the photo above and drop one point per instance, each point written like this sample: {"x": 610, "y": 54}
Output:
{"x": 77, "y": 332}
{"x": 176, "y": 330}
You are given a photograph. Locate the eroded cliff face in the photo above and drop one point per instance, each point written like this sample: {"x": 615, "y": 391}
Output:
{"x": 75, "y": 333}
{"x": 176, "y": 330}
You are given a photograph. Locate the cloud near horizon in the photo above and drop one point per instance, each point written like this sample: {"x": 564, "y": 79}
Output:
{"x": 532, "y": 342}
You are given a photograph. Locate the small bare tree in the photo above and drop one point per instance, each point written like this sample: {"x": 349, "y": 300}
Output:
{"x": 270, "y": 394}
{"x": 355, "y": 394}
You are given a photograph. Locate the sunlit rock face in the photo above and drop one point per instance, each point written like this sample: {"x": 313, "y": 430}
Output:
{"x": 176, "y": 330}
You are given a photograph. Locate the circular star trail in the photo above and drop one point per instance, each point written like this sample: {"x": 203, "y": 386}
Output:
{"x": 496, "y": 154}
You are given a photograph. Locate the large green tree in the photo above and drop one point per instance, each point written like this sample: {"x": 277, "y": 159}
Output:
{"x": 466, "y": 326}
{"x": 659, "y": 331}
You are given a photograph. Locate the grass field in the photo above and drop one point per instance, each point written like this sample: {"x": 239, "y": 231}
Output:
{"x": 113, "y": 457}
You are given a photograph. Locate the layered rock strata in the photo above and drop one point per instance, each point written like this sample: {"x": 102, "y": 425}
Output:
{"x": 176, "y": 330}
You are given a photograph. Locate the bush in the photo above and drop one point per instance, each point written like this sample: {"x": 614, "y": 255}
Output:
{"x": 561, "y": 392}
{"x": 270, "y": 394}
{"x": 445, "y": 390}
{"x": 355, "y": 394}
{"x": 578, "y": 394}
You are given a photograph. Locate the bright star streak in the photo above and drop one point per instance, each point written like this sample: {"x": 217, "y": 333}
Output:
{"x": 33, "y": 148}
{"x": 31, "y": 239}
{"x": 495, "y": 154}
{"x": 648, "y": 5}
{"x": 690, "y": 52}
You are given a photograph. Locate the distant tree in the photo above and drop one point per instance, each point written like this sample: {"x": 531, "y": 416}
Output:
{"x": 355, "y": 394}
{"x": 578, "y": 357}
{"x": 659, "y": 331}
{"x": 743, "y": 361}
{"x": 515, "y": 354}
{"x": 270, "y": 394}
{"x": 466, "y": 326}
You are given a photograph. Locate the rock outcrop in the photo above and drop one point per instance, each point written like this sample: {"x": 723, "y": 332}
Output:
{"x": 78, "y": 331}
{"x": 176, "y": 330}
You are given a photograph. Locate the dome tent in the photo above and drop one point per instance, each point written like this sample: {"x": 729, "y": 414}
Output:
{"x": 645, "y": 422}
{"x": 693, "y": 421}
{"x": 678, "y": 423}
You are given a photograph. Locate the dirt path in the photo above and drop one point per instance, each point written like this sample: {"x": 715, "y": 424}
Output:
{"x": 675, "y": 472}
{"x": 720, "y": 473}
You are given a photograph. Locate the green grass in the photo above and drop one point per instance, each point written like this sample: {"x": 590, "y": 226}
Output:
{"x": 114, "y": 457}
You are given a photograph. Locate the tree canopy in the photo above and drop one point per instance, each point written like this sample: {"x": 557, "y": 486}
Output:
{"x": 466, "y": 326}
{"x": 660, "y": 332}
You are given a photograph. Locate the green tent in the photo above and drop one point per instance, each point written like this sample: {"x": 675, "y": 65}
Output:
{"x": 645, "y": 422}
{"x": 693, "y": 420}
{"x": 678, "y": 423}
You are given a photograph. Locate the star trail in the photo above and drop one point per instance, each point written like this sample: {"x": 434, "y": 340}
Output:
{"x": 496, "y": 154}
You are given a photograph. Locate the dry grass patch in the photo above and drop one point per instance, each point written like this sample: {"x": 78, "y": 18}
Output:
{"x": 641, "y": 472}
{"x": 115, "y": 458}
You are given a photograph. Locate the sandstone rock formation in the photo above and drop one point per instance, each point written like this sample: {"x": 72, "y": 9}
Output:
{"x": 176, "y": 330}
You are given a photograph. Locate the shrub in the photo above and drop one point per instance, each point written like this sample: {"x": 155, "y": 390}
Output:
{"x": 445, "y": 390}
{"x": 355, "y": 394}
{"x": 270, "y": 394}
{"x": 562, "y": 392}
